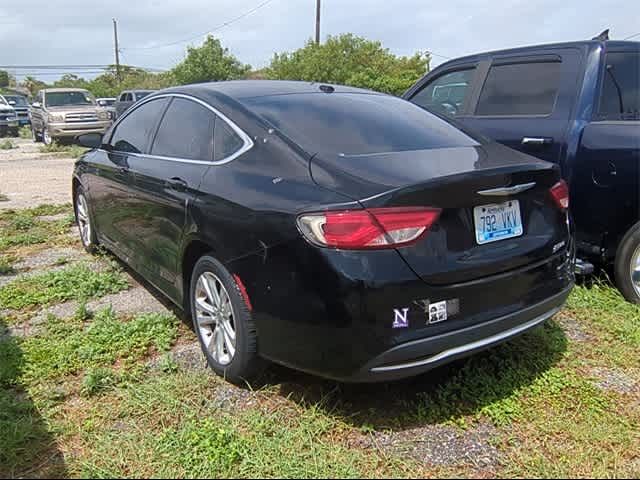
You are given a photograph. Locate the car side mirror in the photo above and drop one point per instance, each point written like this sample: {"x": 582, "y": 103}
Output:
{"x": 89, "y": 140}
{"x": 36, "y": 105}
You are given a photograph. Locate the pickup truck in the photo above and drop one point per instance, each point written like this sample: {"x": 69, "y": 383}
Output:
{"x": 8, "y": 118}
{"x": 64, "y": 113}
{"x": 575, "y": 104}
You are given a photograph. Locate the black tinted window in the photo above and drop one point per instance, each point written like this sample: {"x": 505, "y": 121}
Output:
{"x": 186, "y": 131}
{"x": 520, "y": 89}
{"x": 227, "y": 142}
{"x": 133, "y": 133}
{"x": 447, "y": 93}
{"x": 620, "y": 98}
{"x": 353, "y": 123}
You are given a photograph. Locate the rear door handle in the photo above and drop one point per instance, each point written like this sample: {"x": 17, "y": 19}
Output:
{"x": 536, "y": 141}
{"x": 177, "y": 184}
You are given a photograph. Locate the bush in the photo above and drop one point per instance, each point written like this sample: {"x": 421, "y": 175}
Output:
{"x": 350, "y": 60}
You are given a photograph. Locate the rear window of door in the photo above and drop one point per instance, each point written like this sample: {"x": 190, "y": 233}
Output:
{"x": 620, "y": 95}
{"x": 447, "y": 93}
{"x": 520, "y": 89}
{"x": 133, "y": 134}
{"x": 226, "y": 141}
{"x": 186, "y": 132}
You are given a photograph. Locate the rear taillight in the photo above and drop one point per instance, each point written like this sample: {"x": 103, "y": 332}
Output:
{"x": 560, "y": 194}
{"x": 368, "y": 229}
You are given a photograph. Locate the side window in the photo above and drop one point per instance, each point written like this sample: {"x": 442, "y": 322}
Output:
{"x": 129, "y": 97}
{"x": 133, "y": 133}
{"x": 226, "y": 141}
{"x": 620, "y": 96}
{"x": 186, "y": 131}
{"x": 447, "y": 93}
{"x": 123, "y": 97}
{"x": 520, "y": 89}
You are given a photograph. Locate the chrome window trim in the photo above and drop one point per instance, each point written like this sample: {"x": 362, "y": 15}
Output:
{"x": 246, "y": 139}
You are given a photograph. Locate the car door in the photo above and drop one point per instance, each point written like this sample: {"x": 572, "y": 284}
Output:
{"x": 604, "y": 184}
{"x": 113, "y": 197}
{"x": 123, "y": 103}
{"x": 166, "y": 183}
{"x": 36, "y": 113}
{"x": 526, "y": 101}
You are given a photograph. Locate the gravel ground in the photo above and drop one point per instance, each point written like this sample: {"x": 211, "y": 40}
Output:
{"x": 29, "y": 178}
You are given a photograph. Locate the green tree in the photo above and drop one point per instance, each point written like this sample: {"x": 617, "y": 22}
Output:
{"x": 69, "y": 80}
{"x": 207, "y": 63}
{"x": 350, "y": 60}
{"x": 4, "y": 78}
{"x": 33, "y": 85}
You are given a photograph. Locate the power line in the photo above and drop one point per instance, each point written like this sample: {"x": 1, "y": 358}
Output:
{"x": 433, "y": 54}
{"x": 222, "y": 25}
{"x": 632, "y": 36}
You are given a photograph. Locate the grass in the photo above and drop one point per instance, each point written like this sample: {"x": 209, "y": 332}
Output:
{"x": 21, "y": 228}
{"x": 81, "y": 397}
{"x": 6, "y": 264}
{"x": 25, "y": 132}
{"x": 73, "y": 151}
{"x": 3, "y": 198}
{"x": 75, "y": 282}
{"x": 7, "y": 145}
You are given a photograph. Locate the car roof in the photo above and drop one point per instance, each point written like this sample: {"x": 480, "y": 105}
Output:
{"x": 529, "y": 48}
{"x": 239, "y": 89}
{"x": 50, "y": 90}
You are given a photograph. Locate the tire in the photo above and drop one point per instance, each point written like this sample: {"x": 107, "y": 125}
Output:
{"x": 627, "y": 262}
{"x": 239, "y": 362}
{"x": 46, "y": 136}
{"x": 34, "y": 134}
{"x": 84, "y": 221}
{"x": 13, "y": 132}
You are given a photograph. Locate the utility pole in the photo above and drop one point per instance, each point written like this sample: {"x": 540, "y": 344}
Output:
{"x": 115, "y": 41}
{"x": 317, "y": 22}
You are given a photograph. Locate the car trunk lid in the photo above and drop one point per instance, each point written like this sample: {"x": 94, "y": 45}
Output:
{"x": 461, "y": 182}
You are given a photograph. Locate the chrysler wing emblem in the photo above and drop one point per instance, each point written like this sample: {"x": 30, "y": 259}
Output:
{"x": 504, "y": 191}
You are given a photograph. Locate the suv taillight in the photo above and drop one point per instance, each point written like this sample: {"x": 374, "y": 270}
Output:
{"x": 560, "y": 194}
{"x": 375, "y": 228}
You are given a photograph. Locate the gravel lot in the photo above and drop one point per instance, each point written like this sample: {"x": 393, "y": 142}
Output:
{"x": 29, "y": 178}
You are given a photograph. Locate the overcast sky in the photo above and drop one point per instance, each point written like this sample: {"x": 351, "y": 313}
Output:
{"x": 39, "y": 32}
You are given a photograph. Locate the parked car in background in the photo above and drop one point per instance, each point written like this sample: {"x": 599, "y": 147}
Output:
{"x": 62, "y": 113}
{"x": 8, "y": 118}
{"x": 335, "y": 230}
{"x": 21, "y": 106}
{"x": 108, "y": 104}
{"x": 128, "y": 98}
{"x": 574, "y": 104}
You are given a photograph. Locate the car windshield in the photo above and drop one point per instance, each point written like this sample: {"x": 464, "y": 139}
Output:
{"x": 60, "y": 99}
{"x": 355, "y": 124}
{"x": 140, "y": 95}
{"x": 19, "y": 100}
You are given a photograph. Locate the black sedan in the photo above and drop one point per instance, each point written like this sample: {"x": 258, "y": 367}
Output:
{"x": 334, "y": 230}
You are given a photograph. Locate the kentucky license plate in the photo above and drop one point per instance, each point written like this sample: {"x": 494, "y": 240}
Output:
{"x": 497, "y": 221}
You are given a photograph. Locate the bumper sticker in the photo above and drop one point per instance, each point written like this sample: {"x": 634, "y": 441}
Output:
{"x": 400, "y": 318}
{"x": 438, "y": 312}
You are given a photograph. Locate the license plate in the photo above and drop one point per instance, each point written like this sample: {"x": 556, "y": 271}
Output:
{"x": 497, "y": 221}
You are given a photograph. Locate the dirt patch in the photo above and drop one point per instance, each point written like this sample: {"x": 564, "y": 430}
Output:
{"x": 25, "y": 180}
{"x": 572, "y": 328}
{"x": 439, "y": 445}
{"x": 52, "y": 257}
{"x": 615, "y": 380}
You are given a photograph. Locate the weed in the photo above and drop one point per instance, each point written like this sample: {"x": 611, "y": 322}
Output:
{"x": 25, "y": 132}
{"x": 6, "y": 264}
{"x": 97, "y": 380}
{"x": 7, "y": 145}
{"x": 73, "y": 151}
{"x": 76, "y": 282}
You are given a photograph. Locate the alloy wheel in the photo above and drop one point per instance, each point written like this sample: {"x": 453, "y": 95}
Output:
{"x": 46, "y": 137}
{"x": 634, "y": 270}
{"x": 84, "y": 223}
{"x": 215, "y": 318}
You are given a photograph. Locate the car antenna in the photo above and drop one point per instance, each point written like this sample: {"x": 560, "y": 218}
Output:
{"x": 603, "y": 37}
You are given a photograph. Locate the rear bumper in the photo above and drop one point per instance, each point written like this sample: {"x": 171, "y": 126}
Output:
{"x": 419, "y": 356}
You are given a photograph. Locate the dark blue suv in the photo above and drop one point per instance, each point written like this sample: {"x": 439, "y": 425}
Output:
{"x": 575, "y": 104}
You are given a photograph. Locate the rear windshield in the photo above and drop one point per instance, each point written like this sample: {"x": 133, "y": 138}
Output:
{"x": 356, "y": 123}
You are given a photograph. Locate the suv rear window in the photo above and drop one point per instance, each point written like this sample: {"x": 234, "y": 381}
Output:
{"x": 356, "y": 123}
{"x": 620, "y": 98}
{"x": 520, "y": 89}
